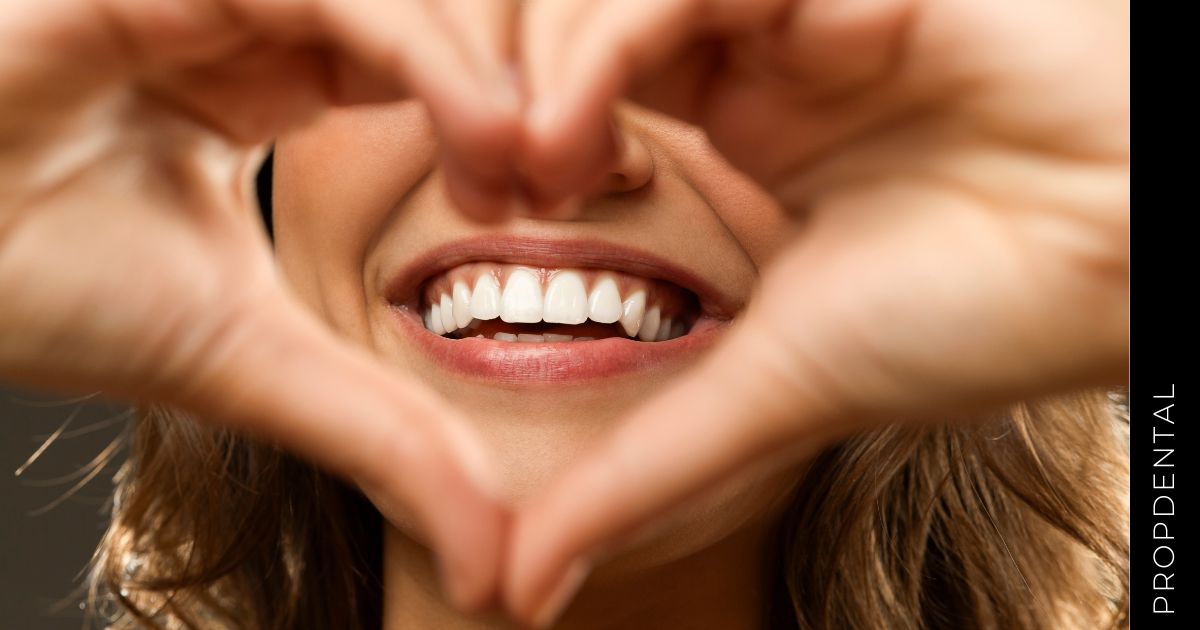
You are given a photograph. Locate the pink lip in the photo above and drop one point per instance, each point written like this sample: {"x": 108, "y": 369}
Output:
{"x": 517, "y": 363}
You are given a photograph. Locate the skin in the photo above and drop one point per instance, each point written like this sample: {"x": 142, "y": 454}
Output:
{"x": 957, "y": 171}
{"x": 961, "y": 244}
{"x": 670, "y": 193}
{"x": 138, "y": 165}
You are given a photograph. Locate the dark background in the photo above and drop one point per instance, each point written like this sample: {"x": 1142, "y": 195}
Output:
{"x": 46, "y": 537}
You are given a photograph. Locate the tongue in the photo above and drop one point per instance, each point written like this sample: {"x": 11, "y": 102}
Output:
{"x": 490, "y": 327}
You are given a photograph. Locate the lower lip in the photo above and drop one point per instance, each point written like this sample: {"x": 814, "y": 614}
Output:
{"x": 523, "y": 363}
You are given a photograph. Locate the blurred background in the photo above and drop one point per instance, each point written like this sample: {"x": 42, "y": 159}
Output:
{"x": 50, "y": 522}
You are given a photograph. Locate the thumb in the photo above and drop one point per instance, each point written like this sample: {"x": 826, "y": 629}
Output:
{"x": 278, "y": 373}
{"x": 739, "y": 406}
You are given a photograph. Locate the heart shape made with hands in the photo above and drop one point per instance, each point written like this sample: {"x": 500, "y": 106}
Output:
{"x": 963, "y": 245}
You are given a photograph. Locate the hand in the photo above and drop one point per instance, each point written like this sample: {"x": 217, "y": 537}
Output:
{"x": 960, "y": 173}
{"x": 131, "y": 254}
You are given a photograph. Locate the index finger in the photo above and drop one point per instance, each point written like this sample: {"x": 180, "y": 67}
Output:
{"x": 578, "y": 61}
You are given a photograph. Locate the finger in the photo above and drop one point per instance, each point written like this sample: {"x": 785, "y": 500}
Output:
{"x": 483, "y": 31}
{"x": 480, "y": 180}
{"x": 832, "y": 46}
{"x": 267, "y": 92}
{"x": 400, "y": 39}
{"x": 278, "y": 373}
{"x": 341, "y": 53}
{"x": 548, "y": 30}
{"x": 574, "y": 80}
{"x": 721, "y": 419}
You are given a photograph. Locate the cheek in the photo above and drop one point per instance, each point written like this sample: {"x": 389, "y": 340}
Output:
{"x": 336, "y": 183}
{"x": 756, "y": 220}
{"x": 760, "y": 224}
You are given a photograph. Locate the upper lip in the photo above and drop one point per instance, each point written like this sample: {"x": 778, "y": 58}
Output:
{"x": 542, "y": 252}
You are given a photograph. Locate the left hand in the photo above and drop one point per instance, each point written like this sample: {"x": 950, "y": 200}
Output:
{"x": 960, "y": 170}
{"x": 133, "y": 261}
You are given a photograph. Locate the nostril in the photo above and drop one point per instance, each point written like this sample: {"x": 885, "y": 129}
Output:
{"x": 619, "y": 183}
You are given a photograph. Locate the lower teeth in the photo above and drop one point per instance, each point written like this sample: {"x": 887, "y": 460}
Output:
{"x": 527, "y": 338}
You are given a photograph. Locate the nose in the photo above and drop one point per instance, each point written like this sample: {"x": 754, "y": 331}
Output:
{"x": 631, "y": 168}
{"x": 634, "y": 165}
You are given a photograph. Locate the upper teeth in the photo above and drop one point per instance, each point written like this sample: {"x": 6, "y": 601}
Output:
{"x": 565, "y": 300}
{"x": 604, "y": 304}
{"x": 485, "y": 301}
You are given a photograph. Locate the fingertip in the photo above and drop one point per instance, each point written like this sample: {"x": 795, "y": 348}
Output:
{"x": 552, "y": 209}
{"x": 471, "y": 575}
{"x": 532, "y": 567}
{"x": 475, "y": 197}
{"x": 479, "y": 149}
{"x": 556, "y": 601}
{"x": 470, "y": 549}
{"x": 538, "y": 589}
{"x": 518, "y": 586}
{"x": 563, "y": 157}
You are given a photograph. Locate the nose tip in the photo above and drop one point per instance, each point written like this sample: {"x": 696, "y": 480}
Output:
{"x": 634, "y": 166}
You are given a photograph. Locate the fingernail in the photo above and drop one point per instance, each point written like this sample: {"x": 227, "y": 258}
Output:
{"x": 568, "y": 585}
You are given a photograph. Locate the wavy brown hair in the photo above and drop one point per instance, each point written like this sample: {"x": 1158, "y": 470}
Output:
{"x": 1018, "y": 521}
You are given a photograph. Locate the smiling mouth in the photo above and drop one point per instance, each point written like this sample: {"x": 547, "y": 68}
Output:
{"x": 528, "y": 304}
{"x": 524, "y": 311}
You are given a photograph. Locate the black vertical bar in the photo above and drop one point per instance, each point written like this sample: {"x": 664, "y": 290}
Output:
{"x": 1162, "y": 396}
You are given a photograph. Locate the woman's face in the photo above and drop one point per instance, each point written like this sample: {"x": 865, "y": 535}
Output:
{"x": 367, "y": 237}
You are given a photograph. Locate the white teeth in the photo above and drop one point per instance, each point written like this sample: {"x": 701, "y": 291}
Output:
{"x": 522, "y": 298}
{"x": 485, "y": 301}
{"x": 604, "y": 305}
{"x": 649, "y": 329}
{"x": 566, "y": 299}
{"x": 447, "y": 313}
{"x": 664, "y": 330}
{"x": 435, "y": 320}
{"x": 632, "y": 311}
{"x": 462, "y": 304}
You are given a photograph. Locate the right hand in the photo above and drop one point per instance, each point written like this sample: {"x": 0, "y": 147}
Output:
{"x": 959, "y": 174}
{"x": 132, "y": 259}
